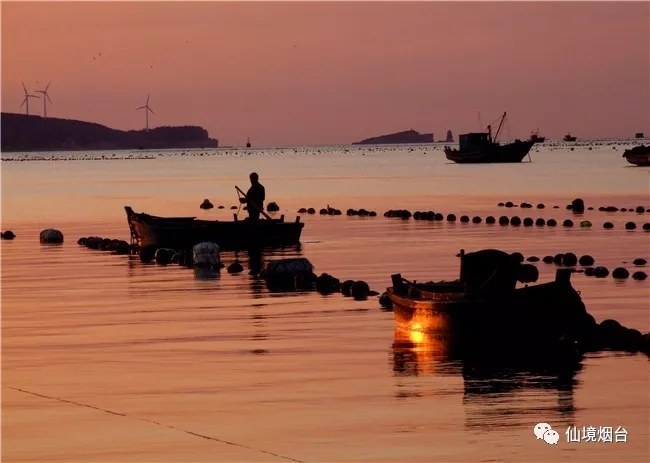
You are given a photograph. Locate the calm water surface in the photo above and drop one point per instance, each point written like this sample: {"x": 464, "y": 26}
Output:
{"x": 180, "y": 368}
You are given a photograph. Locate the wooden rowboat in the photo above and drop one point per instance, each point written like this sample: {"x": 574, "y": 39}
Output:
{"x": 476, "y": 309}
{"x": 184, "y": 232}
{"x": 639, "y": 155}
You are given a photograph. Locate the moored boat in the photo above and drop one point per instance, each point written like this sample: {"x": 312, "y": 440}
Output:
{"x": 639, "y": 155}
{"x": 569, "y": 137}
{"x": 484, "y": 305}
{"x": 185, "y": 232}
{"x": 480, "y": 147}
{"x": 535, "y": 138}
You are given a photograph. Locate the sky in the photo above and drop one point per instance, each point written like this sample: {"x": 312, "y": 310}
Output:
{"x": 315, "y": 73}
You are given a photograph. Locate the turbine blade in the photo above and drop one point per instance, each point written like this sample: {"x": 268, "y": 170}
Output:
{"x": 24, "y": 88}
{"x": 141, "y": 107}
{"x": 151, "y": 110}
{"x": 148, "y": 99}
{"x": 48, "y": 97}
{"x": 47, "y": 86}
{"x": 23, "y": 103}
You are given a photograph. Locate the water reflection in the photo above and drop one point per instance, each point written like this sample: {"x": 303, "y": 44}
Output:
{"x": 497, "y": 391}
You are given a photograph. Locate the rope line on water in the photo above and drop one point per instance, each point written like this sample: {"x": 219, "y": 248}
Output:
{"x": 191, "y": 433}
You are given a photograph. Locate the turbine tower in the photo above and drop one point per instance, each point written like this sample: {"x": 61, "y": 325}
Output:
{"x": 27, "y": 97}
{"x": 147, "y": 109}
{"x": 46, "y": 98}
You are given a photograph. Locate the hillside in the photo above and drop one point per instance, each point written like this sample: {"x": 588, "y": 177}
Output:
{"x": 35, "y": 133}
{"x": 408, "y": 136}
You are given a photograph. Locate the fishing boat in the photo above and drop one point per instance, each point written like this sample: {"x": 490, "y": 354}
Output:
{"x": 248, "y": 142}
{"x": 535, "y": 138}
{"x": 485, "y": 305}
{"x": 185, "y": 232}
{"x": 639, "y": 155}
{"x": 569, "y": 137}
{"x": 482, "y": 148}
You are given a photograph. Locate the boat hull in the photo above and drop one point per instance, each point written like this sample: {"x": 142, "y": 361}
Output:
{"x": 639, "y": 156}
{"x": 185, "y": 232}
{"x": 510, "y": 153}
{"x": 529, "y": 315}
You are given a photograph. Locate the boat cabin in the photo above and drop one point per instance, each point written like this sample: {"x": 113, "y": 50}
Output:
{"x": 473, "y": 141}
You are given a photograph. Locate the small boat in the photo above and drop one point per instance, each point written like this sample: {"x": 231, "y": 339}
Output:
{"x": 535, "y": 138}
{"x": 484, "y": 305}
{"x": 184, "y": 232}
{"x": 569, "y": 137}
{"x": 481, "y": 148}
{"x": 639, "y": 135}
{"x": 248, "y": 142}
{"x": 639, "y": 155}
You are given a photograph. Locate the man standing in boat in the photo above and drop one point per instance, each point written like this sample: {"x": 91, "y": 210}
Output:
{"x": 255, "y": 197}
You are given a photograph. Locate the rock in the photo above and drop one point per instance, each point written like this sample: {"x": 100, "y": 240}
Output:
{"x": 206, "y": 204}
{"x": 551, "y": 222}
{"x": 601, "y": 272}
{"x": 8, "y": 235}
{"x": 51, "y": 236}
{"x": 385, "y": 302}
{"x": 490, "y": 220}
{"x": 235, "y": 267}
{"x": 346, "y": 287}
{"x": 569, "y": 259}
{"x": 272, "y": 207}
{"x": 586, "y": 260}
{"x": 630, "y": 226}
{"x": 639, "y": 276}
{"x": 578, "y": 205}
{"x": 359, "y": 290}
{"x": 620, "y": 273}
{"x": 206, "y": 255}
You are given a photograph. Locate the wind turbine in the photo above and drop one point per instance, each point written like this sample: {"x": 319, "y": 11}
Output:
{"x": 27, "y": 97}
{"x": 146, "y": 112}
{"x": 46, "y": 98}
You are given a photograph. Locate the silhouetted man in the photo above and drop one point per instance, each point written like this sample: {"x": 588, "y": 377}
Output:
{"x": 255, "y": 197}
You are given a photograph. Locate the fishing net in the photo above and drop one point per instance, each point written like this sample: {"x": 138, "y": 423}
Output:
{"x": 206, "y": 254}
{"x": 296, "y": 266}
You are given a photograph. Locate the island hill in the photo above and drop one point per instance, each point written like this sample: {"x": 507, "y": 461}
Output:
{"x": 21, "y": 132}
{"x": 407, "y": 136}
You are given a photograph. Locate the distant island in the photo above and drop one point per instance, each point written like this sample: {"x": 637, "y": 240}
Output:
{"x": 408, "y": 136}
{"x": 21, "y": 132}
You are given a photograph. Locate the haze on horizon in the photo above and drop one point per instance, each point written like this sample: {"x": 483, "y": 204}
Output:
{"x": 333, "y": 73}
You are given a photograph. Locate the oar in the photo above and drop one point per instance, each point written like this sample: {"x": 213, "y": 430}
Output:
{"x": 239, "y": 190}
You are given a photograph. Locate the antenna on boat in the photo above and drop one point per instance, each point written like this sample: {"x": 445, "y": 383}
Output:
{"x": 503, "y": 118}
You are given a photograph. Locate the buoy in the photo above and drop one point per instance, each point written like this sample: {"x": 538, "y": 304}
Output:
{"x": 503, "y": 220}
{"x": 557, "y": 259}
{"x": 451, "y": 218}
{"x": 540, "y": 206}
{"x": 235, "y": 267}
{"x": 639, "y": 261}
{"x": 476, "y": 219}
{"x": 528, "y": 222}
{"x": 346, "y": 287}
{"x": 509, "y": 204}
{"x": 302, "y": 210}
{"x": 569, "y": 259}
{"x": 272, "y": 207}
{"x": 163, "y": 256}
{"x": 540, "y": 222}
{"x": 516, "y": 221}
{"x": 567, "y": 223}
{"x": 327, "y": 284}
{"x": 586, "y": 260}
{"x": 518, "y": 256}
{"x": 630, "y": 226}
{"x": 551, "y": 222}
{"x": 311, "y": 210}
{"x": 359, "y": 290}
{"x": 51, "y": 236}
{"x": 589, "y": 271}
{"x": 490, "y": 220}
{"x": 578, "y": 205}
{"x": 8, "y": 235}
{"x": 646, "y": 226}
{"x": 206, "y": 204}
{"x": 585, "y": 224}
{"x": 385, "y": 302}
{"x": 532, "y": 259}
{"x": 547, "y": 259}
{"x": 601, "y": 272}
{"x": 608, "y": 225}
{"x": 639, "y": 276}
{"x": 620, "y": 273}
{"x": 640, "y": 209}
{"x": 464, "y": 218}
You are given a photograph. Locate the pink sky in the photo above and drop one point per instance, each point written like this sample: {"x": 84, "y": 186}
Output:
{"x": 320, "y": 73}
